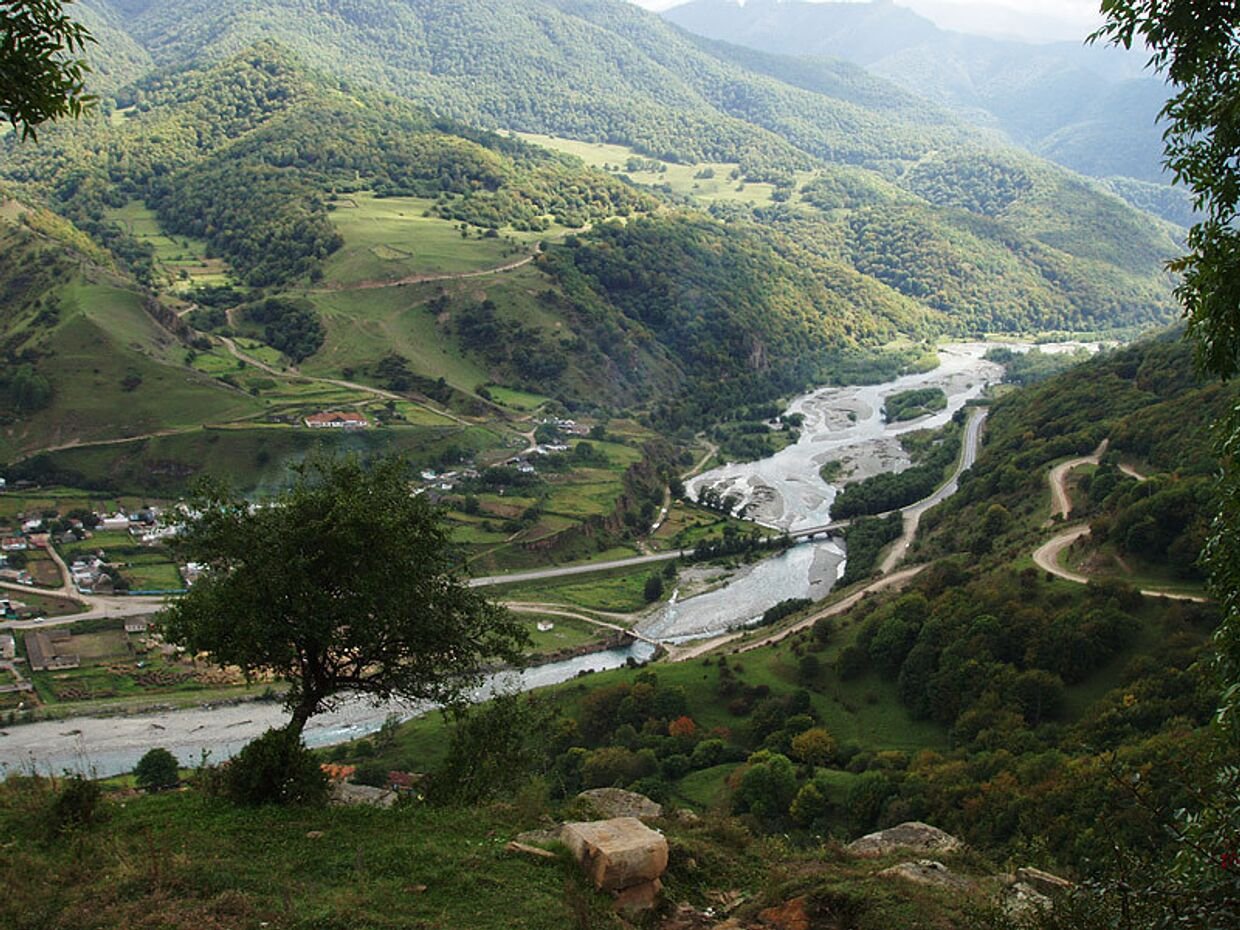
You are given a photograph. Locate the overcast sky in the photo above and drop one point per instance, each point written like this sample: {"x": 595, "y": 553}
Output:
{"x": 1034, "y": 20}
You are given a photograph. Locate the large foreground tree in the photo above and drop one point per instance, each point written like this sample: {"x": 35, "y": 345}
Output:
{"x": 343, "y": 584}
{"x": 1196, "y": 45}
{"x": 42, "y": 76}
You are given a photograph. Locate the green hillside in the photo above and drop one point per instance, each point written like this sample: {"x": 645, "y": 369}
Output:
{"x": 88, "y": 356}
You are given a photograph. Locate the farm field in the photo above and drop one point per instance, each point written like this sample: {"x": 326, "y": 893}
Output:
{"x": 183, "y": 259}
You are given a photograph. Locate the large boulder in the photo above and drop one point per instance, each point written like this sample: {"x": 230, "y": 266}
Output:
{"x": 617, "y": 854}
{"x": 913, "y": 835}
{"x": 616, "y": 802}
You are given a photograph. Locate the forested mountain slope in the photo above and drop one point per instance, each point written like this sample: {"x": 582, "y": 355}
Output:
{"x": 1091, "y": 109}
{"x": 606, "y": 70}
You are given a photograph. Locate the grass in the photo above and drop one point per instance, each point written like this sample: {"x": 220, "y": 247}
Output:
{"x": 182, "y": 860}
{"x": 252, "y": 458}
{"x": 111, "y": 356}
{"x": 686, "y": 180}
{"x": 567, "y": 633}
{"x": 517, "y": 400}
{"x": 390, "y": 238}
{"x": 617, "y": 590}
{"x": 183, "y": 259}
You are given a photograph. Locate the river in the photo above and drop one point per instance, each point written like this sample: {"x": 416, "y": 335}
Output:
{"x": 786, "y": 492}
{"x": 782, "y": 491}
{"x": 102, "y": 746}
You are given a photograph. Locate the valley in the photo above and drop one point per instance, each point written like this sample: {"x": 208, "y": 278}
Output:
{"x": 418, "y": 416}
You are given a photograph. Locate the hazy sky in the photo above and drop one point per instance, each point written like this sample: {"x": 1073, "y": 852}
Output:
{"x": 1035, "y": 20}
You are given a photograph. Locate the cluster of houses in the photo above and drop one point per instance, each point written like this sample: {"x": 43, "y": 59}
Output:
{"x": 90, "y": 575}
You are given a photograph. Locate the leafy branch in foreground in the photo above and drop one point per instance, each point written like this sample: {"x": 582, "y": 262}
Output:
{"x": 40, "y": 80}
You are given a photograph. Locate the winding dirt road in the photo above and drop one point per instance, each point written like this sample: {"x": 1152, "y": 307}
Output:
{"x": 1047, "y": 556}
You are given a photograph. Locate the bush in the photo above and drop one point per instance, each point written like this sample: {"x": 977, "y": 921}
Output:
{"x": 79, "y": 803}
{"x": 157, "y": 769}
{"x": 276, "y": 768}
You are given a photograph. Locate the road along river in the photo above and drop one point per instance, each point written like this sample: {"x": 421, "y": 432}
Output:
{"x": 786, "y": 491}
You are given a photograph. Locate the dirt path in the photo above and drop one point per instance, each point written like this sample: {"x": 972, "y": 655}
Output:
{"x": 1061, "y": 503}
{"x": 520, "y": 608}
{"x": 427, "y": 278}
{"x": 241, "y": 355}
{"x": 912, "y": 515}
{"x": 79, "y": 444}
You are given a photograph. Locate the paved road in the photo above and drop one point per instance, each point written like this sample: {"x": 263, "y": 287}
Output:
{"x": 544, "y": 573}
{"x": 912, "y": 515}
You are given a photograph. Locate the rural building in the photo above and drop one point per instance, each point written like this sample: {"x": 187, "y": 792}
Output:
{"x": 136, "y": 625}
{"x": 50, "y": 651}
{"x": 8, "y": 646}
{"x": 13, "y": 544}
{"x": 337, "y": 421}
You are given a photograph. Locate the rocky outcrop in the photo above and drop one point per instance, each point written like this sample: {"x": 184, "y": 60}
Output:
{"x": 616, "y": 802}
{"x": 927, "y": 872}
{"x": 915, "y": 836}
{"x": 621, "y": 855}
{"x": 345, "y": 793}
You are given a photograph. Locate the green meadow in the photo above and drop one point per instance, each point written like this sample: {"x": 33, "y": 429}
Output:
{"x": 389, "y": 238}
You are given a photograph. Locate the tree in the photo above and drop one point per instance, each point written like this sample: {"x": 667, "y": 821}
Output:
{"x": 40, "y": 77}
{"x": 157, "y": 769}
{"x": 814, "y": 746}
{"x": 342, "y": 584}
{"x": 653, "y": 589}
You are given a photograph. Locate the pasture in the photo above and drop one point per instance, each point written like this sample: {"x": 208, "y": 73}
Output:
{"x": 389, "y": 238}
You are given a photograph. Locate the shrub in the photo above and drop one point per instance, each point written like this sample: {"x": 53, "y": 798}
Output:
{"x": 79, "y": 803}
{"x": 276, "y": 768}
{"x": 157, "y": 769}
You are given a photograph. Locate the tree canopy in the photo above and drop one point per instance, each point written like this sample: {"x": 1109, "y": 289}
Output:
{"x": 342, "y": 584}
{"x": 40, "y": 79}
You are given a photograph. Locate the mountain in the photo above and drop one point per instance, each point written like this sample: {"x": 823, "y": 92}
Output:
{"x": 1092, "y": 109}
{"x": 325, "y": 166}
{"x": 606, "y": 71}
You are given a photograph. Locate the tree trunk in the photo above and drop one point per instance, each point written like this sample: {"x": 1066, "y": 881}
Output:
{"x": 301, "y": 713}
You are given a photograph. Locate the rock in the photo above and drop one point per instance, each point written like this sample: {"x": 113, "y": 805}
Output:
{"x": 515, "y": 847}
{"x": 685, "y": 816}
{"x": 919, "y": 837}
{"x": 344, "y": 793}
{"x": 638, "y": 898}
{"x": 539, "y": 837}
{"x": 618, "y": 853}
{"x": 926, "y": 872}
{"x": 314, "y": 835}
{"x": 616, "y": 802}
{"x": 789, "y": 916}
{"x": 1021, "y": 901}
{"x": 1043, "y": 882}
